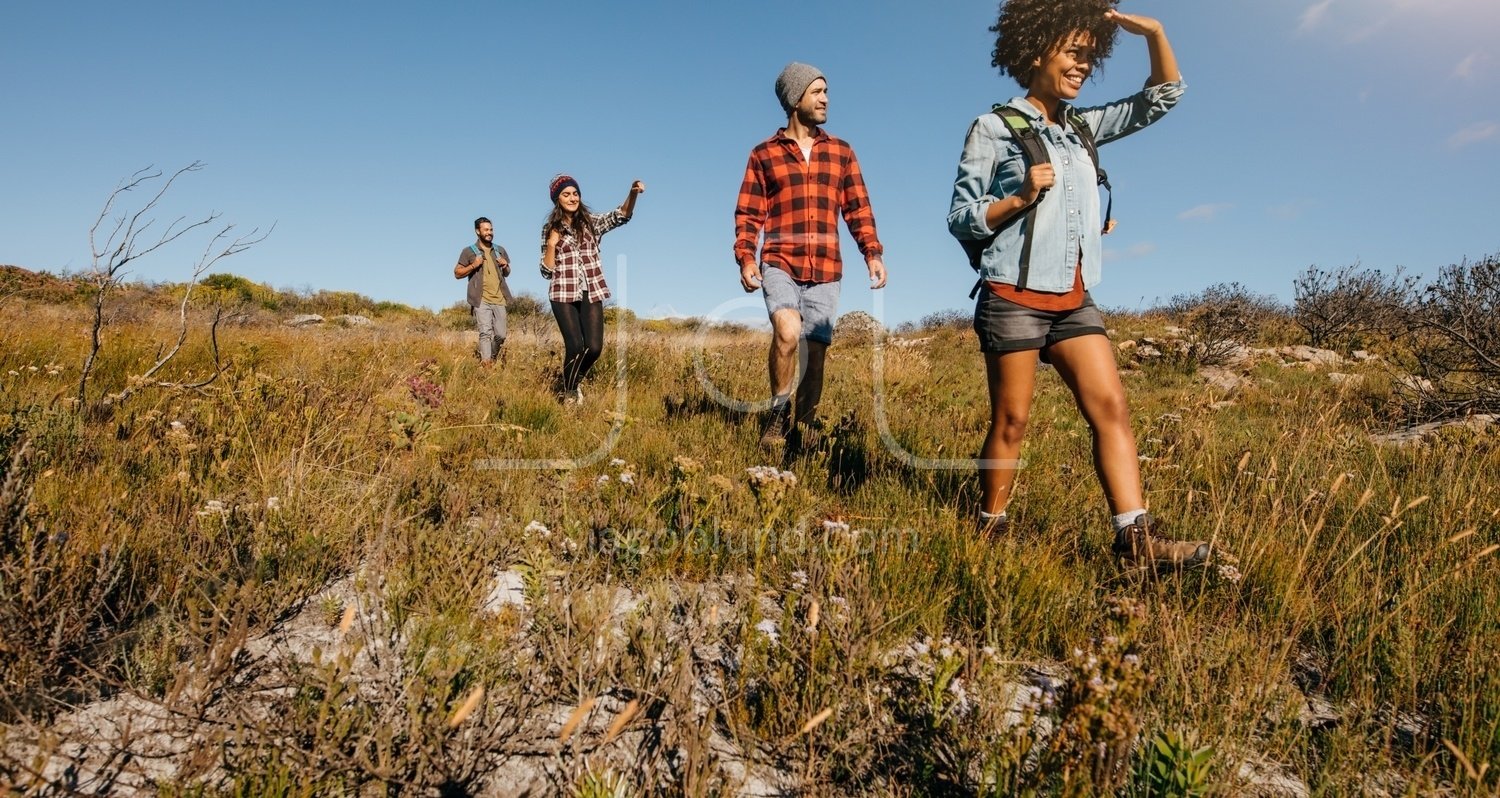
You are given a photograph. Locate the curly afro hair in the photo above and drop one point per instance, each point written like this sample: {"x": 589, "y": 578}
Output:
{"x": 1031, "y": 29}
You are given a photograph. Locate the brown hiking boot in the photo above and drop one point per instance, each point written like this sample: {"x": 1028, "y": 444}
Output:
{"x": 987, "y": 528}
{"x": 774, "y": 426}
{"x": 1140, "y": 545}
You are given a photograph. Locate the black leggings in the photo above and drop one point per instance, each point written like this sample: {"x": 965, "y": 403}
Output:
{"x": 582, "y": 327}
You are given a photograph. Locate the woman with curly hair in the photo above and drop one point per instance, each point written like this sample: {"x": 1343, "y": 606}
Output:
{"x": 1034, "y": 294}
{"x": 570, "y": 261}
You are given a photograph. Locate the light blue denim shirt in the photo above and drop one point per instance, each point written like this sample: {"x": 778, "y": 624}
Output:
{"x": 1068, "y": 223}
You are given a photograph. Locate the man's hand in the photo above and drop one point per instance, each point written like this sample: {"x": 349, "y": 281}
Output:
{"x": 877, "y": 272}
{"x": 749, "y": 277}
{"x": 638, "y": 187}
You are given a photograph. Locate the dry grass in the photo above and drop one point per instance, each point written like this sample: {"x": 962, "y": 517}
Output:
{"x": 842, "y": 633}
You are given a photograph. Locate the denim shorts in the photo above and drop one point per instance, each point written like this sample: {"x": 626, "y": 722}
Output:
{"x": 1004, "y": 326}
{"x": 818, "y": 303}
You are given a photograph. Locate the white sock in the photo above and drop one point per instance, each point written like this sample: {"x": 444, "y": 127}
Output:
{"x": 1126, "y": 519}
{"x": 990, "y": 517}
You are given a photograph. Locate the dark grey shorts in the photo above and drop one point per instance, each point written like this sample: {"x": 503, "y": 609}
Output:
{"x": 1004, "y": 326}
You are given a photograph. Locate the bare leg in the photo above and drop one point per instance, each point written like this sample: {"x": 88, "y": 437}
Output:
{"x": 1087, "y": 365}
{"x": 786, "y": 330}
{"x": 1011, "y": 377}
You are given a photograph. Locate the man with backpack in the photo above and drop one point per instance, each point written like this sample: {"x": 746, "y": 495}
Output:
{"x": 486, "y": 265}
{"x": 797, "y": 183}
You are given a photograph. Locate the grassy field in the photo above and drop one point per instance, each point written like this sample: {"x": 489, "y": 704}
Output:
{"x": 827, "y": 623}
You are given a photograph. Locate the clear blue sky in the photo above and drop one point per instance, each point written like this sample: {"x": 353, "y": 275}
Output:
{"x": 371, "y": 134}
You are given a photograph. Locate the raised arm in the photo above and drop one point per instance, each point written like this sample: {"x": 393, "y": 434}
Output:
{"x": 627, "y": 208}
{"x": 1163, "y": 60}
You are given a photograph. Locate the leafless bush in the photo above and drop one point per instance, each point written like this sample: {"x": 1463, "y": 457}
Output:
{"x": 1349, "y": 305}
{"x": 1454, "y": 337}
{"x": 952, "y": 318}
{"x": 1220, "y": 320}
{"x": 126, "y": 241}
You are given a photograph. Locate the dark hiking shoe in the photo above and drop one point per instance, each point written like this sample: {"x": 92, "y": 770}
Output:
{"x": 774, "y": 427}
{"x": 1139, "y": 545}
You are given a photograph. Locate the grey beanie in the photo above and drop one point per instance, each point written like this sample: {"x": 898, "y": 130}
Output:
{"x": 792, "y": 83}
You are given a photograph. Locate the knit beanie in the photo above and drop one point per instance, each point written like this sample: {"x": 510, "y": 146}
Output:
{"x": 559, "y": 183}
{"x": 792, "y": 83}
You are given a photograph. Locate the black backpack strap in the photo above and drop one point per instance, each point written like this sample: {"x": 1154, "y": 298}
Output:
{"x": 1035, "y": 151}
{"x": 1081, "y": 127}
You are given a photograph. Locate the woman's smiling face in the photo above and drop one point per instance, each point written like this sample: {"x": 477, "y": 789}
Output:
{"x": 1060, "y": 74}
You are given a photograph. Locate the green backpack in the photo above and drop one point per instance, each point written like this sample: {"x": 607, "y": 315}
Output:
{"x": 1034, "y": 150}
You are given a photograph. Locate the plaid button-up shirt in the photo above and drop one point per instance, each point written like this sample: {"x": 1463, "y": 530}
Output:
{"x": 796, "y": 203}
{"x": 576, "y": 266}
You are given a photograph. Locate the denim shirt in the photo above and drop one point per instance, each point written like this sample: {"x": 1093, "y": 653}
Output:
{"x": 1068, "y": 223}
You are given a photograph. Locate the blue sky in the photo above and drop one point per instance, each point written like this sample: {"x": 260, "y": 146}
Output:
{"x": 371, "y": 134}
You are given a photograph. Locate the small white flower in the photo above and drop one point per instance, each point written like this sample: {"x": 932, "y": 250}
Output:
{"x": 768, "y": 628}
{"x": 603, "y": 479}
{"x": 832, "y": 526}
{"x": 273, "y": 503}
{"x": 616, "y": 462}
{"x": 213, "y": 507}
{"x": 627, "y": 478}
{"x": 537, "y": 528}
{"x": 32, "y": 369}
{"x": 1229, "y": 573}
{"x": 799, "y": 579}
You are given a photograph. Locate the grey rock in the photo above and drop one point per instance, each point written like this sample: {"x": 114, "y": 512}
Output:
{"x": 1222, "y": 379}
{"x": 304, "y": 320}
{"x": 1310, "y": 354}
{"x": 1262, "y": 778}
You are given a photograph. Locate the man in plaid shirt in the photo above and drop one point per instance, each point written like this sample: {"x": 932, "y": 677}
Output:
{"x": 796, "y": 185}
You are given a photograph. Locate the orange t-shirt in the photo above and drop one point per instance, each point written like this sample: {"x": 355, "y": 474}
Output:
{"x": 1043, "y": 300}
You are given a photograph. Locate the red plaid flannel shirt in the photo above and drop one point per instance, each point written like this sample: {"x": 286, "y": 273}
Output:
{"x": 797, "y": 204}
{"x": 577, "y": 264}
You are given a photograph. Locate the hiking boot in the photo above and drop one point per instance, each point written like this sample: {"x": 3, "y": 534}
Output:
{"x": 987, "y": 528}
{"x": 1140, "y": 545}
{"x": 774, "y": 425}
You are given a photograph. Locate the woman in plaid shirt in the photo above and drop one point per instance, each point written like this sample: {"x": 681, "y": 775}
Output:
{"x": 570, "y": 260}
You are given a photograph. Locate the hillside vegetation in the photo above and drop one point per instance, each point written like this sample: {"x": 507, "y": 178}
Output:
{"x": 354, "y": 562}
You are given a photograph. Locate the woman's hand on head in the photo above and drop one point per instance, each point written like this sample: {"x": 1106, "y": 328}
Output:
{"x": 1134, "y": 23}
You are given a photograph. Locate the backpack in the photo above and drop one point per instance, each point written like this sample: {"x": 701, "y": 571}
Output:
{"x": 1034, "y": 152}
{"x": 495, "y": 253}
